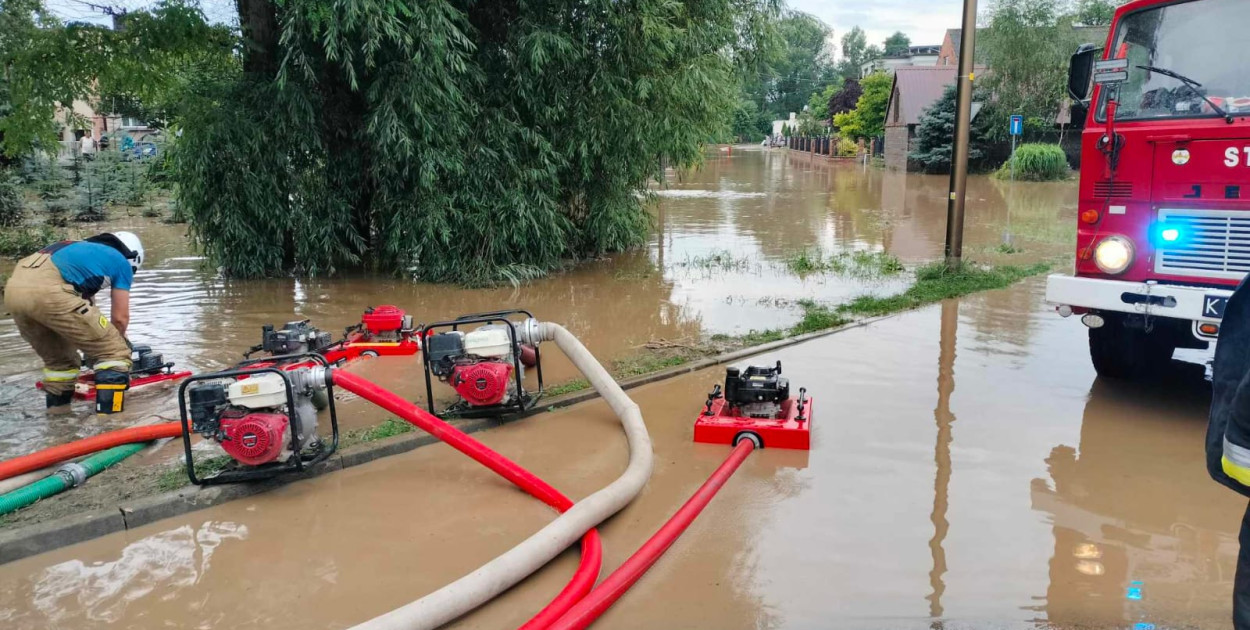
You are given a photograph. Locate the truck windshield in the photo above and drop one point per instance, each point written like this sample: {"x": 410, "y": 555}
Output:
{"x": 1197, "y": 40}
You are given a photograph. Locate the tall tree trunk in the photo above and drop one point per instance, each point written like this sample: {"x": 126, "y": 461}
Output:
{"x": 258, "y": 20}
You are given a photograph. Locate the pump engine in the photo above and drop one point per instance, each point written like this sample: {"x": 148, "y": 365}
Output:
{"x": 260, "y": 417}
{"x": 485, "y": 366}
{"x": 385, "y": 323}
{"x": 478, "y": 364}
{"x": 758, "y": 392}
{"x": 298, "y": 337}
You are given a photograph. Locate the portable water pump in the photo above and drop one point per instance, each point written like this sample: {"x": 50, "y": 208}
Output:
{"x": 485, "y": 365}
{"x": 264, "y": 418}
{"x": 755, "y": 404}
{"x": 298, "y": 337}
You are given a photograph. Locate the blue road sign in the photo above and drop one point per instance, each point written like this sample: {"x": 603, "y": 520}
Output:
{"x": 1017, "y": 125}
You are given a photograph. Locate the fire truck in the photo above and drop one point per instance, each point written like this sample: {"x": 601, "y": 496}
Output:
{"x": 1163, "y": 233}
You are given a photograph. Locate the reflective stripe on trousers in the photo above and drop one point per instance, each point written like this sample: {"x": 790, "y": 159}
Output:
{"x": 123, "y": 366}
{"x": 59, "y": 376}
{"x": 1236, "y": 462}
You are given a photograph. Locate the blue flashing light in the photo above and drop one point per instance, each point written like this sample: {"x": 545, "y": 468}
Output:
{"x": 1143, "y": 626}
{"x": 1134, "y": 593}
{"x": 1170, "y": 235}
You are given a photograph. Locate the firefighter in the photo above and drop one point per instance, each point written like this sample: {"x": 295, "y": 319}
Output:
{"x": 51, "y": 297}
{"x": 1228, "y": 431}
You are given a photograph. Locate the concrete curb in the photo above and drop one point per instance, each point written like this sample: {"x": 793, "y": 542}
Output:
{"x": 30, "y": 540}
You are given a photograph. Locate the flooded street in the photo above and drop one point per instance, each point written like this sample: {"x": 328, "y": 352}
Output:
{"x": 715, "y": 264}
{"x": 967, "y": 468}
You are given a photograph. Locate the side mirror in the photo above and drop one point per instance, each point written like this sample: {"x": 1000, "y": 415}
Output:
{"x": 1081, "y": 72}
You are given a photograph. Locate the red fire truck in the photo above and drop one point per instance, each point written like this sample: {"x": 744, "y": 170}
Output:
{"x": 1164, "y": 218}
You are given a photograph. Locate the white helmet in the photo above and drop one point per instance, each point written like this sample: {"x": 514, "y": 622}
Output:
{"x": 135, "y": 246}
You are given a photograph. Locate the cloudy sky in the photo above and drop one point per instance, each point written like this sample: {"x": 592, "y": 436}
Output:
{"x": 925, "y": 21}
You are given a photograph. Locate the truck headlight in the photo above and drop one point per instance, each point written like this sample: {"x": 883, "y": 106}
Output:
{"x": 1114, "y": 254}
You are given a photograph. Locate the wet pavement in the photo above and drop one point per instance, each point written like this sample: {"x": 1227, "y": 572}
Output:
{"x": 716, "y": 264}
{"x": 968, "y": 470}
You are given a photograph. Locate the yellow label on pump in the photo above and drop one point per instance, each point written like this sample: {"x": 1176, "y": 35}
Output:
{"x": 117, "y": 401}
{"x": 251, "y": 388}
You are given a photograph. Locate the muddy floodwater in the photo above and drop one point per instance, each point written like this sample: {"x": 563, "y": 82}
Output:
{"x": 716, "y": 263}
{"x": 968, "y": 470}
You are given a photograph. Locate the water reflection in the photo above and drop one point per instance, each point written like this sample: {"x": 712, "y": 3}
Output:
{"x": 945, "y": 418}
{"x": 170, "y": 562}
{"x": 1139, "y": 529}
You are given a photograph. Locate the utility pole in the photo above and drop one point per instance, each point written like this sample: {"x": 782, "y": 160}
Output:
{"x": 959, "y": 157}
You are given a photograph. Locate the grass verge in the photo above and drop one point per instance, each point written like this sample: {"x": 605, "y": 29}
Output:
{"x": 935, "y": 282}
{"x": 854, "y": 264}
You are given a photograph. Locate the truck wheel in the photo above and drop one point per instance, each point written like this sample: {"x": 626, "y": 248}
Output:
{"x": 1121, "y": 352}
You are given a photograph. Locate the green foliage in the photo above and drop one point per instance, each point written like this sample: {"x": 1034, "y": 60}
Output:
{"x": 936, "y": 131}
{"x": 810, "y": 127}
{"x": 1095, "y": 12}
{"x": 818, "y": 104}
{"x": 897, "y": 44}
{"x": 806, "y": 63}
{"x": 867, "y": 120}
{"x": 570, "y": 387}
{"x": 12, "y": 201}
{"x": 816, "y": 317}
{"x": 1028, "y": 44}
{"x": 474, "y": 143}
{"x": 102, "y": 181}
{"x": 937, "y": 282}
{"x": 21, "y": 241}
{"x": 1037, "y": 163}
{"x": 47, "y": 63}
{"x": 749, "y": 123}
{"x": 847, "y": 148}
{"x": 855, "y": 53}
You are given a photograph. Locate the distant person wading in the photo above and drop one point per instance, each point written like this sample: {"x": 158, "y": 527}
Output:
{"x": 52, "y": 299}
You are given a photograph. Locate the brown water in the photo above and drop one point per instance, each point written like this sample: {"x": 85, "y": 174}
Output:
{"x": 967, "y": 470}
{"x": 756, "y": 207}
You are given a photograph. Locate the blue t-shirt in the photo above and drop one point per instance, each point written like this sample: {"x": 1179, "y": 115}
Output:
{"x": 91, "y": 266}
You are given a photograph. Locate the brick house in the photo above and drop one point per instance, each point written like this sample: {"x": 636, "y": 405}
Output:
{"x": 915, "y": 90}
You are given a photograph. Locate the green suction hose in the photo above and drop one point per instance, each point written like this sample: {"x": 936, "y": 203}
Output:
{"x": 67, "y": 477}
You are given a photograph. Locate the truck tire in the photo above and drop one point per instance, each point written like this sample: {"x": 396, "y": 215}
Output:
{"x": 1125, "y": 353}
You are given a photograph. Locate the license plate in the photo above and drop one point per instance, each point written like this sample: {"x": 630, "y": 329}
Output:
{"x": 1213, "y": 307}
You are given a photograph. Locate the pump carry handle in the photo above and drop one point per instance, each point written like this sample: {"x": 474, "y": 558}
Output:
{"x": 711, "y": 398}
{"x": 802, "y": 404}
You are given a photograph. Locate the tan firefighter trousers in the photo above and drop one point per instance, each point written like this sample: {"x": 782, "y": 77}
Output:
{"x": 57, "y": 323}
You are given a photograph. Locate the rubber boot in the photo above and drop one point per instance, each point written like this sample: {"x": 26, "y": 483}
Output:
{"x": 110, "y": 391}
{"x": 58, "y": 400}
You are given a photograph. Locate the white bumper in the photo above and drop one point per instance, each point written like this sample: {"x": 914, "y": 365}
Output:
{"x": 1196, "y": 304}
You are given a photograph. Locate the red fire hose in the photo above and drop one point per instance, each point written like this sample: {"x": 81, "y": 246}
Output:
{"x": 599, "y": 600}
{"x": 592, "y": 553}
{"x": 87, "y": 446}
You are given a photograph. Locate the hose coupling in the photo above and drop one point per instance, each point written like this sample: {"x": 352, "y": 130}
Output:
{"x": 527, "y": 332}
{"x": 73, "y": 472}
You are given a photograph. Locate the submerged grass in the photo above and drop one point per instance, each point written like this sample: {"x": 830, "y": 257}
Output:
{"x": 858, "y": 264}
{"x": 936, "y": 282}
{"x": 568, "y": 387}
{"x": 176, "y": 477}
{"x": 388, "y": 428}
{"x": 717, "y": 260}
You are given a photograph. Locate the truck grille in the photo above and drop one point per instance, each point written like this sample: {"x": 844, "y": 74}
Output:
{"x": 1213, "y": 244}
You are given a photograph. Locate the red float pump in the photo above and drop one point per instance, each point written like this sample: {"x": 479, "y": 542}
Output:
{"x": 756, "y": 405}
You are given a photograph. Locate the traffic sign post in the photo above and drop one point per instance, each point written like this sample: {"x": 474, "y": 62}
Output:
{"x": 1017, "y": 130}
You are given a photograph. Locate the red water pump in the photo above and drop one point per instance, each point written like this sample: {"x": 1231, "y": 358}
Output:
{"x": 264, "y": 417}
{"x": 483, "y": 361}
{"x": 756, "y": 405}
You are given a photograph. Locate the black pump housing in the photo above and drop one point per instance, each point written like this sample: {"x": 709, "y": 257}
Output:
{"x": 756, "y": 385}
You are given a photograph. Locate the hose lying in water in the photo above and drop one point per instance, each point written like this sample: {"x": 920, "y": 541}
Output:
{"x": 87, "y": 446}
{"x": 611, "y": 589}
{"x": 592, "y": 551}
{"x": 68, "y": 476}
{"x": 516, "y": 564}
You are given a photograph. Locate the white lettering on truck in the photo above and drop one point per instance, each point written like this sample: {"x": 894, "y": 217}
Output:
{"x": 1232, "y": 157}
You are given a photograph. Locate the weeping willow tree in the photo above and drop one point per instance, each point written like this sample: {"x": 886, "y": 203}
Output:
{"x": 467, "y": 141}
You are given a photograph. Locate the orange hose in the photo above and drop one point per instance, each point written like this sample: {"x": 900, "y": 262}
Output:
{"x": 87, "y": 446}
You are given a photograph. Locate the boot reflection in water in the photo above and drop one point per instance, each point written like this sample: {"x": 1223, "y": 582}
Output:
{"x": 1228, "y": 431}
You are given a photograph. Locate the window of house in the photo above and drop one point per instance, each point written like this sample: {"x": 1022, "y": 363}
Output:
{"x": 128, "y": 121}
